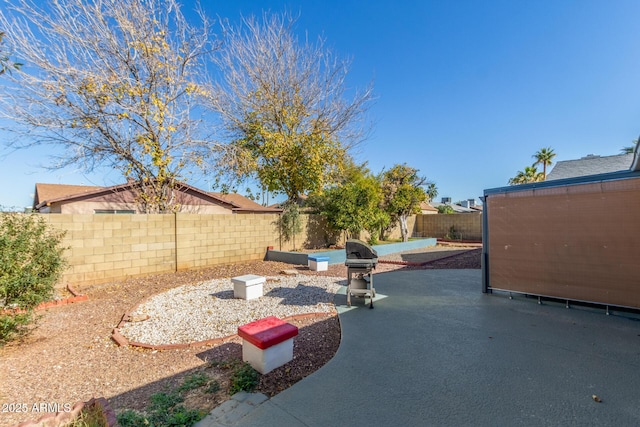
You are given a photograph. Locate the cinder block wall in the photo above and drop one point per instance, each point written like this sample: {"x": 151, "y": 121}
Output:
{"x": 207, "y": 240}
{"x": 109, "y": 247}
{"x": 104, "y": 248}
{"x": 468, "y": 224}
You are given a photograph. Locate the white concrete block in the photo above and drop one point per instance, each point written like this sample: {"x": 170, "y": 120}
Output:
{"x": 318, "y": 263}
{"x": 249, "y": 286}
{"x": 265, "y": 361}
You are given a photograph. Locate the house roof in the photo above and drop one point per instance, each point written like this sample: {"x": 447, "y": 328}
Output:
{"x": 586, "y": 170}
{"x": 590, "y": 165}
{"x": 244, "y": 203}
{"x": 46, "y": 194}
{"x": 425, "y": 206}
{"x": 53, "y": 192}
{"x": 456, "y": 208}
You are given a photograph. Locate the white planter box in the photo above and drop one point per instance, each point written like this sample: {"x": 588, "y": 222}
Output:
{"x": 267, "y": 360}
{"x": 249, "y": 286}
{"x": 318, "y": 263}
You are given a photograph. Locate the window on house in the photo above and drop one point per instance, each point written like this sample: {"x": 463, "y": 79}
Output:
{"x": 113, "y": 211}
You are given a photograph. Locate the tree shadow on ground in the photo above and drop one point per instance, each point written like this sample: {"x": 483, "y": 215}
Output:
{"x": 228, "y": 294}
{"x": 313, "y": 294}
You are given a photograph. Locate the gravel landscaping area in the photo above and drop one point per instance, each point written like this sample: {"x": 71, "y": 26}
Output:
{"x": 206, "y": 311}
{"x": 71, "y": 357}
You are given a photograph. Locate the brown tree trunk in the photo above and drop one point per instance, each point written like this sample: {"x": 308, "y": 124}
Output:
{"x": 404, "y": 229}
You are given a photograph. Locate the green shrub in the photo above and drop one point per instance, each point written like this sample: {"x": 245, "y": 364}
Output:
{"x": 445, "y": 209}
{"x": 90, "y": 416}
{"x": 453, "y": 234}
{"x": 166, "y": 408}
{"x": 31, "y": 262}
{"x": 162, "y": 402}
{"x": 131, "y": 418}
{"x": 214, "y": 387}
{"x": 193, "y": 381}
{"x": 245, "y": 378}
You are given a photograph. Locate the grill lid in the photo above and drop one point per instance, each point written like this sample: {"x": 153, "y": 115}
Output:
{"x": 359, "y": 254}
{"x": 357, "y": 249}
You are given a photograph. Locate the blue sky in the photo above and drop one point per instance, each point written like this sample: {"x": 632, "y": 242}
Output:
{"x": 467, "y": 91}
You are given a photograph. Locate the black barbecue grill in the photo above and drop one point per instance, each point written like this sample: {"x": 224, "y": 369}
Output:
{"x": 361, "y": 259}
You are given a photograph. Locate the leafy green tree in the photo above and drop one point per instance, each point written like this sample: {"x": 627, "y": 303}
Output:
{"x": 544, "y": 157}
{"x": 445, "y": 209}
{"x": 403, "y": 193}
{"x": 530, "y": 174}
{"x": 114, "y": 83}
{"x": 31, "y": 262}
{"x": 354, "y": 205}
{"x": 284, "y": 106}
{"x": 290, "y": 222}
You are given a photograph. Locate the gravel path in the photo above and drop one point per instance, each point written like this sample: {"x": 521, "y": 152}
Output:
{"x": 193, "y": 313}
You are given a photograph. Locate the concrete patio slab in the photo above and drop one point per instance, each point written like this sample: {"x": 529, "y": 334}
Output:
{"x": 436, "y": 351}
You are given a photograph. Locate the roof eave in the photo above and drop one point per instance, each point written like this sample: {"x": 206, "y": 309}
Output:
{"x": 585, "y": 179}
{"x": 257, "y": 210}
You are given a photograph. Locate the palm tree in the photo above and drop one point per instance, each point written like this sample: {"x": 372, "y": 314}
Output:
{"x": 432, "y": 191}
{"x": 544, "y": 157}
{"x": 518, "y": 179}
{"x": 530, "y": 174}
{"x": 632, "y": 148}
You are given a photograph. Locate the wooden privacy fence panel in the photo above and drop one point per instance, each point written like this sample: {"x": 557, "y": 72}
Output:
{"x": 575, "y": 242}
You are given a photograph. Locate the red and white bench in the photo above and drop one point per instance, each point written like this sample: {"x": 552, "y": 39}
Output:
{"x": 267, "y": 343}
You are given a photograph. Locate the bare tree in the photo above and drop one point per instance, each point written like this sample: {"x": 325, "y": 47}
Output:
{"x": 284, "y": 105}
{"x": 116, "y": 83}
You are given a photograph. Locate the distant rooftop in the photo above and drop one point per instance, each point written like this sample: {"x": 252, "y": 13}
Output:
{"x": 590, "y": 165}
{"x": 456, "y": 208}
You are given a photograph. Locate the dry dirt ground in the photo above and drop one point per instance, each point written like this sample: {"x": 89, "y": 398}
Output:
{"x": 71, "y": 357}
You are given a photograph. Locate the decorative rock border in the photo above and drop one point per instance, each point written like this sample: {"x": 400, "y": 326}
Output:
{"x": 77, "y": 297}
{"x": 470, "y": 242}
{"x": 64, "y": 301}
{"x": 62, "y": 418}
{"x": 416, "y": 264}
